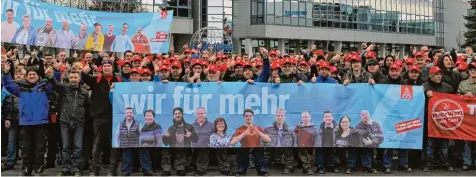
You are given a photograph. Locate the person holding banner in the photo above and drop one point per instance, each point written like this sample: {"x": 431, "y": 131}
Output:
{"x": 95, "y": 40}
{"x": 435, "y": 84}
{"x": 468, "y": 88}
{"x": 64, "y": 37}
{"x": 178, "y": 136}
{"x": 413, "y": 76}
{"x": 282, "y": 138}
{"x": 25, "y": 34}
{"x": 46, "y": 34}
{"x": 204, "y": 130}
{"x": 306, "y": 136}
{"x": 327, "y": 131}
{"x": 9, "y": 26}
{"x": 250, "y": 137}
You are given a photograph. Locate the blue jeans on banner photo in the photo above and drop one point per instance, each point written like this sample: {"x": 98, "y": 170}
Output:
{"x": 365, "y": 154}
{"x": 243, "y": 158}
{"x": 323, "y": 154}
{"x": 402, "y": 158}
{"x": 13, "y": 133}
{"x": 75, "y": 131}
{"x": 467, "y": 153}
{"x": 127, "y": 160}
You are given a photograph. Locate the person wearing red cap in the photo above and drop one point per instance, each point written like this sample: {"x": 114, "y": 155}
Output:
{"x": 136, "y": 61}
{"x": 258, "y": 67}
{"x": 436, "y": 84}
{"x": 275, "y": 71}
{"x": 162, "y": 72}
{"x": 125, "y": 70}
{"x": 234, "y": 72}
{"x": 135, "y": 75}
{"x": 334, "y": 73}
{"x": 420, "y": 60}
{"x": 468, "y": 88}
{"x": 394, "y": 74}
{"x": 214, "y": 73}
{"x": 448, "y": 75}
{"x": 413, "y": 76}
{"x": 324, "y": 69}
{"x": 196, "y": 75}
{"x": 288, "y": 75}
{"x": 305, "y": 69}
{"x": 175, "y": 72}
{"x": 357, "y": 74}
{"x": 146, "y": 75}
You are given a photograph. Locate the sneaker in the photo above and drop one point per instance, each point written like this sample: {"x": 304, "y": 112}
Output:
{"x": 464, "y": 168}
{"x": 372, "y": 171}
{"x": 77, "y": 173}
{"x": 240, "y": 173}
{"x": 320, "y": 171}
{"x": 25, "y": 172}
{"x": 111, "y": 174}
{"x": 349, "y": 171}
{"x": 388, "y": 170}
{"x": 336, "y": 170}
{"x": 64, "y": 173}
{"x": 166, "y": 173}
{"x": 286, "y": 171}
{"x": 93, "y": 174}
{"x": 450, "y": 169}
{"x": 262, "y": 173}
{"x": 6, "y": 167}
{"x": 426, "y": 169}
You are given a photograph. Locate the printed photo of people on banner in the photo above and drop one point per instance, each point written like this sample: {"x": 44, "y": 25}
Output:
{"x": 42, "y": 24}
{"x": 267, "y": 115}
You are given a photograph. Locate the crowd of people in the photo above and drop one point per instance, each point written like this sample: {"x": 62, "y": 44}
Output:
{"x": 62, "y": 104}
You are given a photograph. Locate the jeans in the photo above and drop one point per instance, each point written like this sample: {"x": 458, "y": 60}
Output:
{"x": 13, "y": 132}
{"x": 365, "y": 154}
{"x": 442, "y": 146}
{"x": 325, "y": 154}
{"x": 402, "y": 157}
{"x": 467, "y": 160}
{"x": 127, "y": 160}
{"x": 74, "y": 131}
{"x": 102, "y": 137}
{"x": 34, "y": 146}
{"x": 243, "y": 161}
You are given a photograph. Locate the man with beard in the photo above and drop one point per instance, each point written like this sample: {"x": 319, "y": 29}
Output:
{"x": 204, "y": 129}
{"x": 45, "y": 35}
{"x": 81, "y": 38}
{"x": 101, "y": 111}
{"x": 371, "y": 138}
{"x": 250, "y": 137}
{"x": 373, "y": 68}
{"x": 75, "y": 100}
{"x": 282, "y": 138}
{"x": 327, "y": 131}
{"x": 468, "y": 88}
{"x": 435, "y": 84}
{"x": 175, "y": 72}
{"x": 180, "y": 134}
{"x": 213, "y": 74}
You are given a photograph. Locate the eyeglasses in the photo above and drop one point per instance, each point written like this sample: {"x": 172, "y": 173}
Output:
{"x": 345, "y": 122}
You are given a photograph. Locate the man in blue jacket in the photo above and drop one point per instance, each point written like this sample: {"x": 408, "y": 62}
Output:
{"x": 324, "y": 69}
{"x": 34, "y": 109}
{"x": 26, "y": 34}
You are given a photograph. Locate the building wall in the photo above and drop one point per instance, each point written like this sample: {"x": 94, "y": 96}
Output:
{"x": 454, "y": 10}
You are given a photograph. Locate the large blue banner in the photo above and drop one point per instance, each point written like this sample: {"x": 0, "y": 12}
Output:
{"x": 37, "y": 23}
{"x": 310, "y": 115}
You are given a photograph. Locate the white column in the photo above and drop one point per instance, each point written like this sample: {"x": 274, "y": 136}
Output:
{"x": 382, "y": 50}
{"x": 309, "y": 44}
{"x": 281, "y": 45}
{"x": 337, "y": 46}
{"x": 248, "y": 46}
{"x": 402, "y": 51}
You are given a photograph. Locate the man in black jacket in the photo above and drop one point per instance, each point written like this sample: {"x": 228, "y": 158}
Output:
{"x": 75, "y": 100}
{"x": 101, "y": 111}
{"x": 393, "y": 77}
{"x": 435, "y": 84}
{"x": 373, "y": 68}
{"x": 180, "y": 134}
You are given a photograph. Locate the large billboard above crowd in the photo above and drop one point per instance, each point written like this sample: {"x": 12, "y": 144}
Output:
{"x": 43, "y": 24}
{"x": 149, "y": 114}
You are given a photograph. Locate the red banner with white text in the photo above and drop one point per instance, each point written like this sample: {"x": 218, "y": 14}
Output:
{"x": 452, "y": 116}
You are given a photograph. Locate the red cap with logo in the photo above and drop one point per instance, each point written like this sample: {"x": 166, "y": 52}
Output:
{"x": 324, "y": 64}
{"x": 146, "y": 71}
{"x": 435, "y": 69}
{"x": 186, "y": 60}
{"x": 410, "y": 61}
{"x": 135, "y": 70}
{"x": 204, "y": 63}
{"x": 355, "y": 57}
{"x": 419, "y": 54}
{"x": 214, "y": 68}
{"x": 371, "y": 54}
{"x": 303, "y": 63}
{"x": 273, "y": 52}
{"x": 395, "y": 66}
{"x": 239, "y": 62}
{"x": 177, "y": 64}
{"x": 196, "y": 62}
{"x": 414, "y": 68}
{"x": 275, "y": 66}
{"x": 463, "y": 66}
{"x": 164, "y": 67}
{"x": 319, "y": 52}
{"x": 472, "y": 65}
{"x": 223, "y": 67}
{"x": 286, "y": 60}
{"x": 333, "y": 69}
{"x": 136, "y": 58}
{"x": 259, "y": 64}
{"x": 188, "y": 51}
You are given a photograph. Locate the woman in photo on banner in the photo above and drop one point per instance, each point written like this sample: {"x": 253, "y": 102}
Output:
{"x": 95, "y": 40}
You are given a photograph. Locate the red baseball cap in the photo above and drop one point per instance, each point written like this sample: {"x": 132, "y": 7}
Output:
{"x": 324, "y": 64}
{"x": 303, "y": 63}
{"x": 286, "y": 60}
{"x": 136, "y": 58}
{"x": 188, "y": 51}
{"x": 370, "y": 54}
{"x": 398, "y": 62}
{"x": 259, "y": 64}
{"x": 186, "y": 60}
{"x": 223, "y": 67}
{"x": 177, "y": 64}
{"x": 463, "y": 66}
{"x": 275, "y": 65}
{"x": 472, "y": 65}
{"x": 273, "y": 52}
{"x": 214, "y": 68}
{"x": 146, "y": 71}
{"x": 355, "y": 58}
{"x": 395, "y": 66}
{"x": 333, "y": 69}
{"x": 319, "y": 52}
{"x": 164, "y": 67}
{"x": 204, "y": 63}
{"x": 419, "y": 54}
{"x": 414, "y": 68}
{"x": 410, "y": 61}
{"x": 239, "y": 62}
{"x": 435, "y": 69}
{"x": 196, "y": 62}
{"x": 135, "y": 70}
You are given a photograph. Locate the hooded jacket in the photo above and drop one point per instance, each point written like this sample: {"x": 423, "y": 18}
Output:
{"x": 307, "y": 136}
{"x": 372, "y": 131}
{"x": 449, "y": 76}
{"x": 286, "y": 139}
{"x": 389, "y": 80}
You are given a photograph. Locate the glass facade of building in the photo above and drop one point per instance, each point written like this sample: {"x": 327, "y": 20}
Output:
{"x": 181, "y": 8}
{"x": 395, "y": 16}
